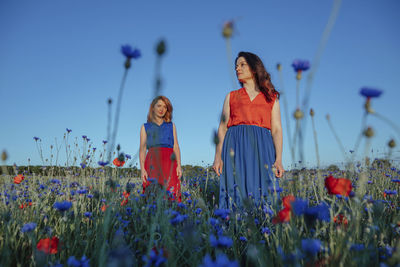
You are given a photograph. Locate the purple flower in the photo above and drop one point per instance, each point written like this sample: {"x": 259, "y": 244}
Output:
{"x": 311, "y": 246}
{"x": 102, "y": 163}
{"x": 370, "y": 92}
{"x": 155, "y": 258}
{"x": 221, "y": 242}
{"x": 36, "y": 138}
{"x": 83, "y": 165}
{"x": 28, "y": 227}
{"x": 129, "y": 53}
{"x": 84, "y": 262}
{"x": 63, "y": 206}
{"x": 222, "y": 213}
{"x": 84, "y": 137}
{"x": 127, "y": 156}
{"x": 104, "y": 142}
{"x": 242, "y": 238}
{"x": 68, "y": 130}
{"x": 265, "y": 230}
{"x": 88, "y": 214}
{"x": 221, "y": 260}
{"x": 300, "y": 65}
{"x": 178, "y": 219}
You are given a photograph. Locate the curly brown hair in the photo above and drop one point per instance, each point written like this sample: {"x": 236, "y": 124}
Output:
{"x": 261, "y": 75}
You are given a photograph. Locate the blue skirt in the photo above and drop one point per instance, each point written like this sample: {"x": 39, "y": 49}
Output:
{"x": 248, "y": 154}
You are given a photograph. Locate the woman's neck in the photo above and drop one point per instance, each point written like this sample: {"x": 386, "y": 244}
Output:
{"x": 250, "y": 85}
{"x": 158, "y": 120}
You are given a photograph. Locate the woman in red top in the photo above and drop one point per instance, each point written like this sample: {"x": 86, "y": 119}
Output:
{"x": 248, "y": 156}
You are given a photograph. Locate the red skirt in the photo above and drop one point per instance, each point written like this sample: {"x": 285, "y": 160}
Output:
{"x": 161, "y": 168}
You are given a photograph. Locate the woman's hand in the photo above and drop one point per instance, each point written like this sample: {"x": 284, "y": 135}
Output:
{"x": 179, "y": 172}
{"x": 144, "y": 176}
{"x": 278, "y": 169}
{"x": 217, "y": 166}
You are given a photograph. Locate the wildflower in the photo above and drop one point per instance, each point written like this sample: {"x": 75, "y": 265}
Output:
{"x": 48, "y": 246}
{"x": 390, "y": 192}
{"x": 83, "y": 165}
{"x": 127, "y": 156}
{"x": 155, "y": 258}
{"x": 102, "y": 163}
{"x": 265, "y": 230}
{"x": 340, "y": 219}
{"x": 88, "y": 214}
{"x": 222, "y": 213}
{"x": 370, "y": 92}
{"x": 68, "y": 130}
{"x": 341, "y": 186}
{"x": 117, "y": 162}
{"x": 311, "y": 246}
{"x": 129, "y": 53}
{"x": 221, "y": 242}
{"x": 300, "y": 66}
{"x": 161, "y": 47}
{"x": 227, "y": 30}
{"x": 18, "y": 179}
{"x": 84, "y": 137}
{"x": 84, "y": 262}
{"x": 63, "y": 206}
{"x": 221, "y": 261}
{"x": 28, "y": 227}
{"x": 287, "y": 201}
{"x": 242, "y": 238}
{"x": 104, "y": 142}
{"x": 36, "y": 138}
{"x": 178, "y": 219}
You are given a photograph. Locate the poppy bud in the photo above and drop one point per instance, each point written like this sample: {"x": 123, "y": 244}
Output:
{"x": 369, "y": 132}
{"x": 367, "y": 107}
{"x": 118, "y": 147}
{"x": 298, "y": 114}
{"x": 161, "y": 48}
{"x": 279, "y": 67}
{"x": 227, "y": 31}
{"x": 109, "y": 101}
{"x": 391, "y": 143}
{"x": 4, "y": 156}
{"x": 121, "y": 157}
{"x": 311, "y": 112}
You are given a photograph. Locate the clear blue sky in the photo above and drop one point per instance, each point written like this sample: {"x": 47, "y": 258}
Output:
{"x": 60, "y": 61}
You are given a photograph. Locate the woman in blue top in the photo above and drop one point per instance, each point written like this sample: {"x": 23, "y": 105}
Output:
{"x": 159, "y": 153}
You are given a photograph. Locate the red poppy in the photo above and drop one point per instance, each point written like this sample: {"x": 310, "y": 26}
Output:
{"x": 47, "y": 245}
{"x": 118, "y": 163}
{"x": 104, "y": 207}
{"x": 338, "y": 186}
{"x": 287, "y": 201}
{"x": 285, "y": 214}
{"x": 124, "y": 202}
{"x": 340, "y": 219}
{"x": 18, "y": 179}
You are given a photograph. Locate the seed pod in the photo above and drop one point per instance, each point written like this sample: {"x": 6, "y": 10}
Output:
{"x": 311, "y": 112}
{"x": 369, "y": 132}
{"x": 298, "y": 114}
{"x": 392, "y": 143}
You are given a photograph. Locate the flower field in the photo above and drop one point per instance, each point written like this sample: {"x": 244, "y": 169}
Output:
{"x": 316, "y": 218}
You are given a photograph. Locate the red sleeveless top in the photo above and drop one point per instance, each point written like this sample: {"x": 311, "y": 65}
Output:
{"x": 244, "y": 111}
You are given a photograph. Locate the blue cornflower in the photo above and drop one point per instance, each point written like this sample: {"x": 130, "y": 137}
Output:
{"x": 390, "y": 192}
{"x": 198, "y": 210}
{"x": 221, "y": 242}
{"x": 242, "y": 238}
{"x": 84, "y": 262}
{"x": 36, "y": 138}
{"x": 105, "y": 142}
{"x": 127, "y": 156}
{"x": 370, "y": 92}
{"x": 129, "y": 53}
{"x": 68, "y": 130}
{"x": 221, "y": 261}
{"x": 28, "y": 227}
{"x": 83, "y": 165}
{"x": 311, "y": 246}
{"x": 265, "y": 230}
{"x": 89, "y": 196}
{"x": 82, "y": 191}
{"x": 222, "y": 213}
{"x": 88, "y": 214}
{"x": 55, "y": 181}
{"x": 181, "y": 205}
{"x": 63, "y": 206}
{"x": 357, "y": 247}
{"x": 84, "y": 137}
{"x": 178, "y": 219}
{"x": 155, "y": 258}
{"x": 300, "y": 65}
{"x": 102, "y": 163}
{"x": 268, "y": 210}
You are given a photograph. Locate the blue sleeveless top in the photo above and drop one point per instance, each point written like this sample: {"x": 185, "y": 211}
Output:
{"x": 159, "y": 136}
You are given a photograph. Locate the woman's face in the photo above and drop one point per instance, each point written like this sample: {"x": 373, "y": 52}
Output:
{"x": 159, "y": 110}
{"x": 243, "y": 71}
